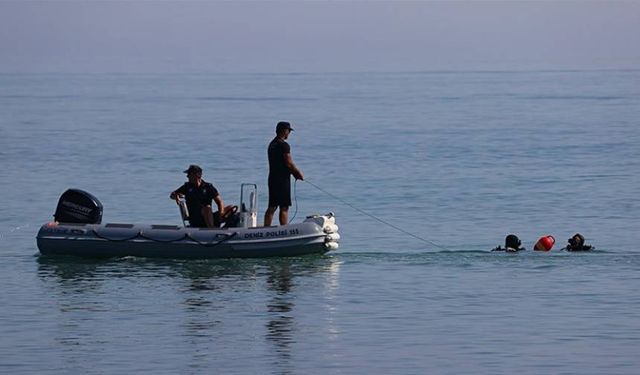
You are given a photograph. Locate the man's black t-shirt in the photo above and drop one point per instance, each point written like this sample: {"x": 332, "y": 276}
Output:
{"x": 279, "y": 174}
{"x": 278, "y": 148}
{"x": 197, "y": 197}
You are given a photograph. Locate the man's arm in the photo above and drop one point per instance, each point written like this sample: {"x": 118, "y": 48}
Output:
{"x": 176, "y": 194}
{"x": 297, "y": 173}
{"x": 220, "y": 204}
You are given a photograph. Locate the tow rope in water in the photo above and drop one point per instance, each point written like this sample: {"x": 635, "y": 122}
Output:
{"x": 375, "y": 217}
{"x": 12, "y": 230}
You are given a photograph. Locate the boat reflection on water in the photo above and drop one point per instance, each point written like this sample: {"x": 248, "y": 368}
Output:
{"x": 204, "y": 275}
{"x": 207, "y": 305}
{"x": 280, "y": 327}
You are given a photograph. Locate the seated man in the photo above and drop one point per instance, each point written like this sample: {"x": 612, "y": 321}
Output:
{"x": 511, "y": 243}
{"x": 198, "y": 193}
{"x": 576, "y": 243}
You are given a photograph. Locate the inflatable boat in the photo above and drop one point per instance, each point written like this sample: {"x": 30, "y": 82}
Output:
{"x": 77, "y": 230}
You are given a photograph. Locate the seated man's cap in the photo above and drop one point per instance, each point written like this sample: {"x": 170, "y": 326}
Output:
{"x": 193, "y": 168}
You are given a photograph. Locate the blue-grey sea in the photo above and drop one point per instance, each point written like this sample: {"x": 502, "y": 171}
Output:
{"x": 426, "y": 172}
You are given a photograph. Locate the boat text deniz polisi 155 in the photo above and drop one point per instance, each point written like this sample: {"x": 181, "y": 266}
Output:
{"x": 77, "y": 230}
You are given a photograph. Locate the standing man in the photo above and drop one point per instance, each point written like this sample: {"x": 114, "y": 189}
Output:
{"x": 198, "y": 193}
{"x": 281, "y": 168}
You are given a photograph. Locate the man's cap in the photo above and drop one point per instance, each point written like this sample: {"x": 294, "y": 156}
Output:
{"x": 282, "y": 125}
{"x": 193, "y": 168}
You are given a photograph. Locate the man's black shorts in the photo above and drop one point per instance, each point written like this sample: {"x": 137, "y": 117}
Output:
{"x": 279, "y": 192}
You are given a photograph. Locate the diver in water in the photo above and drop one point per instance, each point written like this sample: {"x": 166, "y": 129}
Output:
{"x": 511, "y": 244}
{"x": 576, "y": 243}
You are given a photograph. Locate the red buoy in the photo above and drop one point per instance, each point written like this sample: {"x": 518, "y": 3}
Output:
{"x": 545, "y": 243}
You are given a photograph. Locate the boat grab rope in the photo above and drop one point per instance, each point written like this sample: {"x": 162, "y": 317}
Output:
{"x": 95, "y": 232}
{"x": 375, "y": 217}
{"x": 140, "y": 234}
{"x": 212, "y": 244}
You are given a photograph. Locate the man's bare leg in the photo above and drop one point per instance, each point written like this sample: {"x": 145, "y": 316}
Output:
{"x": 208, "y": 216}
{"x": 268, "y": 216}
{"x": 284, "y": 215}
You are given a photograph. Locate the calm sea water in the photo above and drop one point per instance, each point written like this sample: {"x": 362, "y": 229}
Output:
{"x": 459, "y": 159}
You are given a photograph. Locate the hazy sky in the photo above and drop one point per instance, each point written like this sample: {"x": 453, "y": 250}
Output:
{"x": 296, "y": 36}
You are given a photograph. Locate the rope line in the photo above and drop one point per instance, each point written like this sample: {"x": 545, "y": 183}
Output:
{"x": 12, "y": 230}
{"x": 375, "y": 217}
{"x": 295, "y": 197}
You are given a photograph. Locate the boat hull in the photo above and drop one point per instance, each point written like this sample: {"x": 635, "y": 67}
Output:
{"x": 316, "y": 235}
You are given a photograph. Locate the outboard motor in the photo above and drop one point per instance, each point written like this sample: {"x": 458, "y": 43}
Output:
{"x": 78, "y": 206}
